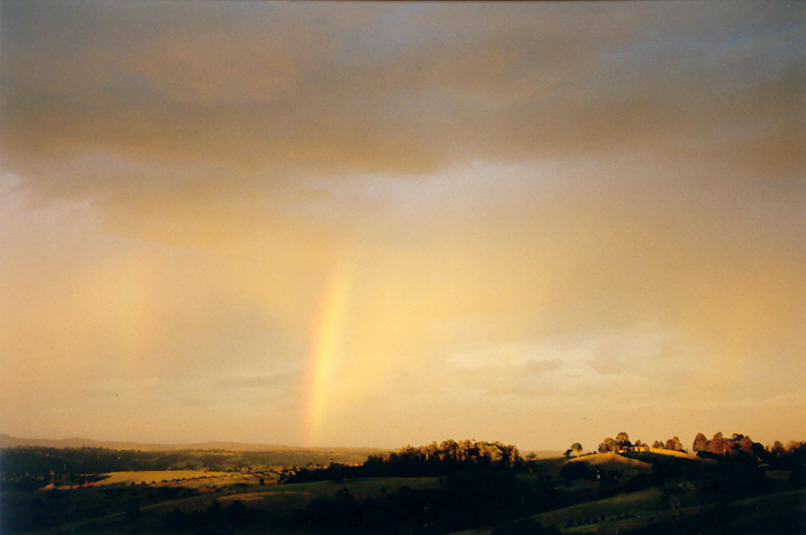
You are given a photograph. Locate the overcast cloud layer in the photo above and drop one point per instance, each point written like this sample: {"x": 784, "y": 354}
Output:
{"x": 552, "y": 222}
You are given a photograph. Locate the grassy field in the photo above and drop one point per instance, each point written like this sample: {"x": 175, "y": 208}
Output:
{"x": 546, "y": 468}
{"x": 280, "y": 500}
{"x": 646, "y": 512}
{"x": 589, "y": 514}
{"x": 596, "y": 502}
{"x": 283, "y": 499}
{"x": 177, "y": 478}
{"x": 618, "y": 514}
{"x": 611, "y": 458}
{"x": 633, "y": 504}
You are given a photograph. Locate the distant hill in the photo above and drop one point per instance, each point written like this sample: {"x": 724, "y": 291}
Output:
{"x": 7, "y": 441}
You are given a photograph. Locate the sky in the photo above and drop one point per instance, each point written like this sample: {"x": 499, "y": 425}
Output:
{"x": 385, "y": 224}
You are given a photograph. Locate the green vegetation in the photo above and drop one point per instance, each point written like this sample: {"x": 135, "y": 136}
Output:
{"x": 455, "y": 486}
{"x": 446, "y": 458}
{"x": 28, "y": 468}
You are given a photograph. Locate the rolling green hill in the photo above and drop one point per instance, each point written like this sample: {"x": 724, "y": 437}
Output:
{"x": 460, "y": 488}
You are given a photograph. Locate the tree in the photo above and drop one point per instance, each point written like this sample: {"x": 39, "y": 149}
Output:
{"x": 609, "y": 444}
{"x": 717, "y": 444}
{"x": 793, "y": 446}
{"x": 577, "y": 447}
{"x": 623, "y": 440}
{"x": 745, "y": 445}
{"x": 700, "y": 443}
{"x": 674, "y": 444}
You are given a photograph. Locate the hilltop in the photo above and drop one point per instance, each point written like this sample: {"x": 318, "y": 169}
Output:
{"x": 467, "y": 486}
{"x": 610, "y": 457}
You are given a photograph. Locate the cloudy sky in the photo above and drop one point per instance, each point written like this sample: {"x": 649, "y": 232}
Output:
{"x": 380, "y": 224}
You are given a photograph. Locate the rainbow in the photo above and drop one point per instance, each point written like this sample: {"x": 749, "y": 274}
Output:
{"x": 327, "y": 346}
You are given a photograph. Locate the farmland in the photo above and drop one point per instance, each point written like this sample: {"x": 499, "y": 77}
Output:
{"x": 467, "y": 487}
{"x": 173, "y": 478}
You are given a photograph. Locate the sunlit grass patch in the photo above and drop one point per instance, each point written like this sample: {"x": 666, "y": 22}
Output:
{"x": 184, "y": 478}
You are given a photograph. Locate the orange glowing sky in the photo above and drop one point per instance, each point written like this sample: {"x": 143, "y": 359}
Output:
{"x": 380, "y": 224}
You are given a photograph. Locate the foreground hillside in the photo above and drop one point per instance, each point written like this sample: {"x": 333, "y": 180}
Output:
{"x": 453, "y": 487}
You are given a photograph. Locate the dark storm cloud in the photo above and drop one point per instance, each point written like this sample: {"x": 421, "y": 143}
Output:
{"x": 267, "y": 92}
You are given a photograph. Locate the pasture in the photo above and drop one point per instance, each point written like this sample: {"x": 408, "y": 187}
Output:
{"x": 175, "y": 478}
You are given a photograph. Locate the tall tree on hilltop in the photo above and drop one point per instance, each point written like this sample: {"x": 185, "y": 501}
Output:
{"x": 609, "y": 444}
{"x": 577, "y": 447}
{"x": 623, "y": 440}
{"x": 717, "y": 444}
{"x": 674, "y": 444}
{"x": 700, "y": 443}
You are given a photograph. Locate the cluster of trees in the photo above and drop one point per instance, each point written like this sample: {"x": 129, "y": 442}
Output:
{"x": 740, "y": 444}
{"x": 621, "y": 442}
{"x": 452, "y": 451}
{"x": 576, "y": 447}
{"x": 433, "y": 459}
{"x": 792, "y": 448}
{"x": 673, "y": 444}
{"x": 719, "y": 445}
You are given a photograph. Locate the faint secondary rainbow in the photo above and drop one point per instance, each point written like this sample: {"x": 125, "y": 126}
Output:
{"x": 327, "y": 345}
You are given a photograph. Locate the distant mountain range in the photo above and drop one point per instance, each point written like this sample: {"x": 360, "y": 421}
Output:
{"x": 7, "y": 441}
